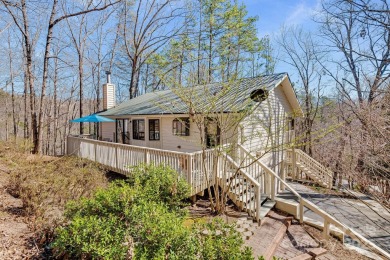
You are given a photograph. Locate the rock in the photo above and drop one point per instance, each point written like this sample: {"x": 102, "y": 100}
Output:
{"x": 240, "y": 230}
{"x": 247, "y": 234}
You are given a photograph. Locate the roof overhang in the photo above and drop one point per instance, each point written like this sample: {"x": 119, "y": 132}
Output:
{"x": 291, "y": 96}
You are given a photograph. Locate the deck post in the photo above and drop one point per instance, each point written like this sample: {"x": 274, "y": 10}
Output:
{"x": 301, "y": 207}
{"x": 294, "y": 164}
{"x": 258, "y": 204}
{"x": 326, "y": 230}
{"x": 189, "y": 173}
{"x": 116, "y": 157}
{"x": 147, "y": 157}
{"x": 95, "y": 152}
{"x": 283, "y": 176}
{"x": 272, "y": 187}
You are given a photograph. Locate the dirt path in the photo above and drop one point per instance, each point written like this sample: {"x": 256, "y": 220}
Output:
{"x": 15, "y": 235}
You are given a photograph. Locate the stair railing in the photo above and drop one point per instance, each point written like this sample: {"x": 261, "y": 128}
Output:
{"x": 328, "y": 219}
{"x": 316, "y": 168}
{"x": 242, "y": 192}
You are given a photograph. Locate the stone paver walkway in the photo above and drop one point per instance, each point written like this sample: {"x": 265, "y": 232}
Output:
{"x": 364, "y": 215}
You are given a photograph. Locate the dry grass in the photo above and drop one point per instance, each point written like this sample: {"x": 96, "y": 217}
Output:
{"x": 45, "y": 184}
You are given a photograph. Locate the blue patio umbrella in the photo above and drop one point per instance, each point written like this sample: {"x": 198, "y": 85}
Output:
{"x": 94, "y": 118}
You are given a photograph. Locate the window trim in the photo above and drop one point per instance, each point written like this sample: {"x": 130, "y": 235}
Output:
{"x": 152, "y": 132}
{"x": 138, "y": 135}
{"x": 183, "y": 123}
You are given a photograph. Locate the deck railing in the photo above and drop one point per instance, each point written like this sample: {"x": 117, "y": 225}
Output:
{"x": 316, "y": 168}
{"x": 193, "y": 167}
{"x": 328, "y": 220}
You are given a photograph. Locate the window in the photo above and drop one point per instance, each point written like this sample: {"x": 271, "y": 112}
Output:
{"x": 291, "y": 123}
{"x": 259, "y": 95}
{"x": 139, "y": 129}
{"x": 154, "y": 129}
{"x": 181, "y": 126}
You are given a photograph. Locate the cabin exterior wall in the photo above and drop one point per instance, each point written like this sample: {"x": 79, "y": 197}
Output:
{"x": 264, "y": 130}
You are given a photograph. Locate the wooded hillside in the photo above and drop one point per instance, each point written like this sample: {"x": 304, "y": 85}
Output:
{"x": 55, "y": 54}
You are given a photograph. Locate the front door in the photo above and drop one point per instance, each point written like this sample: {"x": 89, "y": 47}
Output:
{"x": 122, "y": 131}
{"x": 213, "y": 133}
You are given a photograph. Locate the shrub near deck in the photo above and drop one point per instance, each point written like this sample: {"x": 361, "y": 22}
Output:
{"x": 143, "y": 219}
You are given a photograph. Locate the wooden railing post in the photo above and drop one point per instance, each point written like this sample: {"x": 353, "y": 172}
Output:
{"x": 189, "y": 173}
{"x": 326, "y": 230}
{"x": 282, "y": 175}
{"x": 301, "y": 208}
{"x": 258, "y": 204}
{"x": 147, "y": 157}
{"x": 273, "y": 187}
{"x": 294, "y": 164}
{"x": 116, "y": 158}
{"x": 95, "y": 148}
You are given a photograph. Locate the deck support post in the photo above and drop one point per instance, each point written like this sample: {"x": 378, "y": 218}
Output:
{"x": 294, "y": 165}
{"x": 273, "y": 193}
{"x": 258, "y": 204}
{"x": 193, "y": 199}
{"x": 326, "y": 230}
{"x": 301, "y": 208}
{"x": 282, "y": 175}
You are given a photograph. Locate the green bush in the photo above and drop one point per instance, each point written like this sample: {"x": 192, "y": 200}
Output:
{"x": 218, "y": 240}
{"x": 93, "y": 237}
{"x": 142, "y": 219}
{"x": 160, "y": 184}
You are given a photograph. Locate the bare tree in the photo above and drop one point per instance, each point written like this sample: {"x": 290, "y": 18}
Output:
{"x": 299, "y": 51}
{"x": 147, "y": 27}
{"x": 20, "y": 14}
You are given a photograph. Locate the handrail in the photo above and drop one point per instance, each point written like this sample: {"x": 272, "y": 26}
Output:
{"x": 318, "y": 170}
{"x": 268, "y": 170}
{"x": 328, "y": 219}
{"x": 235, "y": 164}
{"x": 133, "y": 146}
{"x": 315, "y": 162}
{"x": 257, "y": 187}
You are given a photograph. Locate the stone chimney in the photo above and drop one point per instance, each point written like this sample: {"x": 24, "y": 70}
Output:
{"x": 108, "y": 93}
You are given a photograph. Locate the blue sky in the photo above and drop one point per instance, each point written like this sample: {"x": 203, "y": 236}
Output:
{"x": 273, "y": 14}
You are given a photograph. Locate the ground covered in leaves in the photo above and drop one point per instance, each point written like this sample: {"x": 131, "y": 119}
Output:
{"x": 33, "y": 193}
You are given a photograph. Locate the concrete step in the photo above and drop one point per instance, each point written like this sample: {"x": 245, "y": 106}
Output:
{"x": 304, "y": 256}
{"x": 266, "y": 208}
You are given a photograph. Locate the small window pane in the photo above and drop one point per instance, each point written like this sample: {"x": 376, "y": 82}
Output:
{"x": 181, "y": 126}
{"x": 154, "y": 129}
{"x": 139, "y": 129}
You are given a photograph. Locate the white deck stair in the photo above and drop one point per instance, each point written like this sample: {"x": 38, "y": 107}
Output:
{"x": 309, "y": 167}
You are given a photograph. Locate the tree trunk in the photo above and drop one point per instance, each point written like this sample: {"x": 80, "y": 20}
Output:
{"x": 38, "y": 145}
{"x": 30, "y": 77}
{"x": 133, "y": 78}
{"x": 11, "y": 73}
{"x": 81, "y": 86}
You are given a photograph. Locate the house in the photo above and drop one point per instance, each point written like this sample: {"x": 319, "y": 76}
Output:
{"x": 161, "y": 119}
{"x": 235, "y": 136}
{"x": 251, "y": 119}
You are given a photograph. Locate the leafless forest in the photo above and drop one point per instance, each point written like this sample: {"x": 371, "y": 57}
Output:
{"x": 55, "y": 54}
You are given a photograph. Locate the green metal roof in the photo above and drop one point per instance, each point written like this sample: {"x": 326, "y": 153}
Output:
{"x": 216, "y": 97}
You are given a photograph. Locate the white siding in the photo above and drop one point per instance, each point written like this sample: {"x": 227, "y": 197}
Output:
{"x": 173, "y": 142}
{"x": 264, "y": 129}
{"x": 167, "y": 141}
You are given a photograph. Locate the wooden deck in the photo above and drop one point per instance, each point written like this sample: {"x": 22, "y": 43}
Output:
{"x": 122, "y": 157}
{"x": 246, "y": 186}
